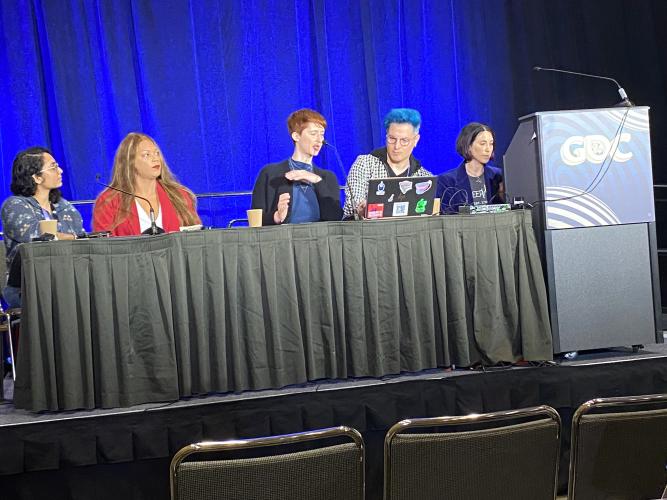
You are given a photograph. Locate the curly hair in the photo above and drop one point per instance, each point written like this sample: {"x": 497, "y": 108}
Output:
{"x": 123, "y": 178}
{"x": 27, "y": 163}
{"x": 468, "y": 135}
{"x": 403, "y": 115}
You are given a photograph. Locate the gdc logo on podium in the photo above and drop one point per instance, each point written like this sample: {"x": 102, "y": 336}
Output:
{"x": 578, "y": 149}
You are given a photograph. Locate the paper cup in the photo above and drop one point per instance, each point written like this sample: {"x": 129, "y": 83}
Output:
{"x": 48, "y": 226}
{"x": 254, "y": 217}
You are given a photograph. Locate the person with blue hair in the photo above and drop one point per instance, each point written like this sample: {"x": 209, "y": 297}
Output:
{"x": 473, "y": 182}
{"x": 394, "y": 160}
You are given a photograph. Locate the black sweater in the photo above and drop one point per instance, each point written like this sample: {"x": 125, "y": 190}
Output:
{"x": 271, "y": 183}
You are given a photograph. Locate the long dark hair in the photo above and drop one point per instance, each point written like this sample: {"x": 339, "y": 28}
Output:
{"x": 27, "y": 163}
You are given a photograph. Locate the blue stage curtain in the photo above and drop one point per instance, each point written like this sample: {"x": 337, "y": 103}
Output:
{"x": 214, "y": 80}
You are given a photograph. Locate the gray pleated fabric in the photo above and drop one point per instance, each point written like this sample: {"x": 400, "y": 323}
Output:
{"x": 121, "y": 321}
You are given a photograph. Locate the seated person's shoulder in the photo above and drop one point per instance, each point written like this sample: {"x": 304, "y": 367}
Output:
{"x": 62, "y": 203}
{"x": 367, "y": 159}
{"x": 325, "y": 173}
{"x": 495, "y": 170}
{"x": 448, "y": 175}
{"x": 15, "y": 204}
{"x": 274, "y": 168}
{"x": 15, "y": 201}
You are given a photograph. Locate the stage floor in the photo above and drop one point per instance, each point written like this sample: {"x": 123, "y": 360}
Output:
{"x": 125, "y": 452}
{"x": 10, "y": 416}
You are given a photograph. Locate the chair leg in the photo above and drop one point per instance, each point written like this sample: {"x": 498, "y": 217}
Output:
{"x": 11, "y": 346}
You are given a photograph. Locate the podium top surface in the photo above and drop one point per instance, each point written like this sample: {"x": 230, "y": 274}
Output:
{"x": 612, "y": 108}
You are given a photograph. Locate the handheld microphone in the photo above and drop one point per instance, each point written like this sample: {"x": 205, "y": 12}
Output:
{"x": 624, "y": 97}
{"x": 151, "y": 213}
{"x": 348, "y": 188}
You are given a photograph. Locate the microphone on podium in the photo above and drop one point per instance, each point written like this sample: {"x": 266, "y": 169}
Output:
{"x": 624, "y": 96}
{"x": 151, "y": 213}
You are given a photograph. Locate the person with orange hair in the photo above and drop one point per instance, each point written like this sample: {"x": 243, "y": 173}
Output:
{"x": 139, "y": 168}
{"x": 294, "y": 190}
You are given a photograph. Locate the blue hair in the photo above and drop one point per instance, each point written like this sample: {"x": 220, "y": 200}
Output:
{"x": 403, "y": 115}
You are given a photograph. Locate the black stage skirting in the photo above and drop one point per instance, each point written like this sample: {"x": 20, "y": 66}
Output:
{"x": 118, "y": 322}
{"x": 126, "y": 454}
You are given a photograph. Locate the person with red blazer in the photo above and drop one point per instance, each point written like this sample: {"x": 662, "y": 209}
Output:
{"x": 139, "y": 168}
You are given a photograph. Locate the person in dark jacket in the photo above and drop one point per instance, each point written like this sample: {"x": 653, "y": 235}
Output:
{"x": 473, "y": 182}
{"x": 294, "y": 190}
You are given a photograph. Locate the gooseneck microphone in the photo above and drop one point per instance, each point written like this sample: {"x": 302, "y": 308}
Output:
{"x": 624, "y": 96}
{"x": 347, "y": 182}
{"x": 151, "y": 213}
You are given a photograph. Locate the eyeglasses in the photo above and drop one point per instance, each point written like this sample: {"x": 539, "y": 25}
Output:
{"x": 53, "y": 166}
{"x": 403, "y": 141}
{"x": 147, "y": 155}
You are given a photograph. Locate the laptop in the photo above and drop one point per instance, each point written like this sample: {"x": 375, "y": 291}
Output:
{"x": 400, "y": 197}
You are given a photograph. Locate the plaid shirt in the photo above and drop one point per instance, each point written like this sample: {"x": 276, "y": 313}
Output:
{"x": 372, "y": 166}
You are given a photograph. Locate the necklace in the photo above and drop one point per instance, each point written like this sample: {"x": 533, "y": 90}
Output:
{"x": 304, "y": 186}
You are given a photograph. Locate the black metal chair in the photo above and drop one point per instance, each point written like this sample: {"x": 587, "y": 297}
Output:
{"x": 502, "y": 455}
{"x": 334, "y": 471}
{"x": 619, "y": 449}
{"x": 8, "y": 318}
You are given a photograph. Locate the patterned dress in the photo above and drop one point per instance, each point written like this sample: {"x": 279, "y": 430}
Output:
{"x": 20, "y": 222}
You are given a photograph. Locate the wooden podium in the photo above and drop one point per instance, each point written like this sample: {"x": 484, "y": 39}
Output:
{"x": 588, "y": 175}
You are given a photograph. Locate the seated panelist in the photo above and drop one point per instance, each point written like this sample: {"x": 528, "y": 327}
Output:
{"x": 473, "y": 182}
{"x": 394, "y": 160}
{"x": 294, "y": 190}
{"x": 139, "y": 168}
{"x": 36, "y": 182}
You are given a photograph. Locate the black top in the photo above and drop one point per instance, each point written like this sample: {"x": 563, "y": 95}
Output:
{"x": 271, "y": 183}
{"x": 414, "y": 165}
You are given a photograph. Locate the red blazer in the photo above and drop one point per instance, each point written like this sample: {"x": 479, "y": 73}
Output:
{"x": 105, "y": 212}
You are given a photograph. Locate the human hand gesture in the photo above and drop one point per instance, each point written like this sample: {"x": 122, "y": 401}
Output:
{"x": 283, "y": 206}
{"x": 361, "y": 209}
{"x": 303, "y": 175}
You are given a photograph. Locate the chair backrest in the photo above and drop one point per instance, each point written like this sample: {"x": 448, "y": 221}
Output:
{"x": 3, "y": 261}
{"x": 619, "y": 448}
{"x": 328, "y": 472}
{"x": 3, "y": 266}
{"x": 514, "y": 455}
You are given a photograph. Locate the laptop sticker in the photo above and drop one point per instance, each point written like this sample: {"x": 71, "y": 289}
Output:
{"x": 374, "y": 210}
{"x": 405, "y": 186}
{"x": 420, "y": 207}
{"x": 380, "y": 189}
{"x": 401, "y": 208}
{"x": 422, "y": 187}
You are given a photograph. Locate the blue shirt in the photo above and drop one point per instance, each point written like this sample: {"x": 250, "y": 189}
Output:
{"x": 305, "y": 207}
